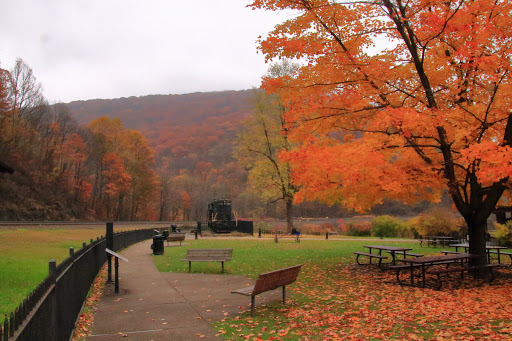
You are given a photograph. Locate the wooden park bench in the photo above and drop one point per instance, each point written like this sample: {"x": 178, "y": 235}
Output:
{"x": 296, "y": 238}
{"x": 175, "y": 237}
{"x": 270, "y": 281}
{"x": 207, "y": 255}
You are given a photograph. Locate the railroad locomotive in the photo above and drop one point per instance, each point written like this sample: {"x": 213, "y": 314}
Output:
{"x": 222, "y": 219}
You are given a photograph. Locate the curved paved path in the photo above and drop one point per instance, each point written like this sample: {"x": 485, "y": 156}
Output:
{"x": 167, "y": 306}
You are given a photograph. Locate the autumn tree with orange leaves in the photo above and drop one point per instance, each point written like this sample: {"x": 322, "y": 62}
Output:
{"x": 429, "y": 112}
{"x": 125, "y": 183}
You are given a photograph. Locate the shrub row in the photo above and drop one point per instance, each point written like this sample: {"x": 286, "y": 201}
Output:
{"x": 437, "y": 222}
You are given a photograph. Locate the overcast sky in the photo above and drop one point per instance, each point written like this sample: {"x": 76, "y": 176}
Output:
{"x": 86, "y": 49}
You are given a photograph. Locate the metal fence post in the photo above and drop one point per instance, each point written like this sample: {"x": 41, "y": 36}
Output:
{"x": 52, "y": 269}
{"x": 12, "y": 324}
{"x": 116, "y": 289}
{"x": 6, "y": 329}
{"x": 110, "y": 245}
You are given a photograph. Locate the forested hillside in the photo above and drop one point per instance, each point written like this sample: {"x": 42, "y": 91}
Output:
{"x": 160, "y": 157}
{"x": 177, "y": 126}
{"x": 193, "y": 136}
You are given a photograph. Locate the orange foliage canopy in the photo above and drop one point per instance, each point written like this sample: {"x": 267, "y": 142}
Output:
{"x": 431, "y": 110}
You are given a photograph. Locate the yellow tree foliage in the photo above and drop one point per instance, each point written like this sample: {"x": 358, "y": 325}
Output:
{"x": 258, "y": 146}
{"x": 429, "y": 111}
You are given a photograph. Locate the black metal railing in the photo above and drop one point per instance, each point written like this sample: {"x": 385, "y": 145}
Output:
{"x": 51, "y": 310}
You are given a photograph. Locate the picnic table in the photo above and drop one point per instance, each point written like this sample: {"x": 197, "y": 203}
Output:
{"x": 490, "y": 249}
{"x": 441, "y": 240}
{"x": 393, "y": 250}
{"x": 424, "y": 262}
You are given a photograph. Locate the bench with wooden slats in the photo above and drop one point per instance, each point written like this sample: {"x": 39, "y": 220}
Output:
{"x": 428, "y": 241}
{"x": 461, "y": 270}
{"x": 295, "y": 238}
{"x": 207, "y": 255}
{"x": 175, "y": 237}
{"x": 502, "y": 254}
{"x": 410, "y": 254}
{"x": 370, "y": 256}
{"x": 270, "y": 281}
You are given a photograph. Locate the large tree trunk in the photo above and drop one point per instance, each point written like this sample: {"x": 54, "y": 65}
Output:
{"x": 477, "y": 240}
{"x": 289, "y": 215}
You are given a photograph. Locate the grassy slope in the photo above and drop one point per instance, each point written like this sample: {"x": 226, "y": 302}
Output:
{"x": 24, "y": 257}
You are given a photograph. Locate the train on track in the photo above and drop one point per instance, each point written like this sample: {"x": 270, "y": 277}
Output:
{"x": 222, "y": 219}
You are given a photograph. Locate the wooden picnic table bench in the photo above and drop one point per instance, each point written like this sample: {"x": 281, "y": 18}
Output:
{"x": 461, "y": 270}
{"x": 450, "y": 252}
{"x": 270, "y": 281}
{"x": 491, "y": 249}
{"x": 428, "y": 241}
{"x": 207, "y": 255}
{"x": 435, "y": 240}
{"x": 408, "y": 254}
{"x": 175, "y": 237}
{"x": 370, "y": 256}
{"x": 430, "y": 265}
{"x": 501, "y": 253}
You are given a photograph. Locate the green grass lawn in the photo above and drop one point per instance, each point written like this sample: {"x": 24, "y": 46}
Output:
{"x": 24, "y": 257}
{"x": 335, "y": 299}
{"x": 252, "y": 256}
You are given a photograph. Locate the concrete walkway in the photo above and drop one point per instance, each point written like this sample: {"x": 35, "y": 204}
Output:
{"x": 167, "y": 306}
